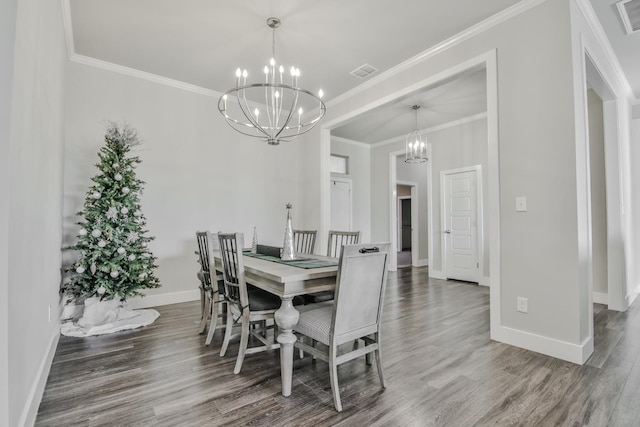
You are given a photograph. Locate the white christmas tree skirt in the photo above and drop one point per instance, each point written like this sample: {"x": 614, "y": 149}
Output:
{"x": 106, "y": 317}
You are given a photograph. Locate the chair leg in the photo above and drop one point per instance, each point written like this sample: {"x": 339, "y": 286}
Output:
{"x": 214, "y": 322}
{"x": 206, "y": 308}
{"x": 227, "y": 332}
{"x": 244, "y": 340}
{"x": 379, "y": 362}
{"x": 333, "y": 376}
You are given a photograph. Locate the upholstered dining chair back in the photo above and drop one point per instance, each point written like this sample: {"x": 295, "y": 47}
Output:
{"x": 304, "y": 241}
{"x": 360, "y": 288}
{"x": 235, "y": 285}
{"x": 337, "y": 239}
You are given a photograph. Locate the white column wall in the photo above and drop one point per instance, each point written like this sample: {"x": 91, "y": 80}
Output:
{"x": 35, "y": 203}
{"x": 539, "y": 253}
{"x": 7, "y": 44}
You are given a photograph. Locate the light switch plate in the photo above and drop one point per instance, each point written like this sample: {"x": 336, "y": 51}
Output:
{"x": 521, "y": 204}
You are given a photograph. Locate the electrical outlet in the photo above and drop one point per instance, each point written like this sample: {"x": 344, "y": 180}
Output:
{"x": 522, "y": 305}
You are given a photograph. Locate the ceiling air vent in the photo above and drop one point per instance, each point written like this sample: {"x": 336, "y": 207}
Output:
{"x": 364, "y": 71}
{"x": 630, "y": 14}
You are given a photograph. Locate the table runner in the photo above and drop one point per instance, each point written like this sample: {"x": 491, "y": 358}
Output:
{"x": 300, "y": 262}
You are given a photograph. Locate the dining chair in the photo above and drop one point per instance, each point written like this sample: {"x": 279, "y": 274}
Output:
{"x": 337, "y": 239}
{"x": 355, "y": 313}
{"x": 249, "y": 308}
{"x": 304, "y": 241}
{"x": 212, "y": 296}
{"x": 335, "y": 242}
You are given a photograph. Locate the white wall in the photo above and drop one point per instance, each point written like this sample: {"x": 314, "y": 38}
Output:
{"x": 598, "y": 193}
{"x": 7, "y": 44}
{"x": 452, "y": 148}
{"x": 535, "y": 128}
{"x": 359, "y": 172}
{"x": 35, "y": 202}
{"x": 200, "y": 174}
{"x": 622, "y": 218}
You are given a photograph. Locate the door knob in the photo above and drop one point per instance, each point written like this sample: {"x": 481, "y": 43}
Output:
{"x": 447, "y": 231}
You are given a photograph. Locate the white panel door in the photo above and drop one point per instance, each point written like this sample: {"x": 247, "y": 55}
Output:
{"x": 340, "y": 205}
{"x": 461, "y": 226}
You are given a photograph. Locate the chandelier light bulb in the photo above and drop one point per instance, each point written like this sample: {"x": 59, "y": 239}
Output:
{"x": 320, "y": 93}
{"x": 238, "y": 73}
{"x": 300, "y": 111}
{"x": 256, "y": 112}
{"x": 245, "y": 74}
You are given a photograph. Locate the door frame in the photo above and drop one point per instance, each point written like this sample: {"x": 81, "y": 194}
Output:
{"x": 350, "y": 182}
{"x": 479, "y": 218}
{"x": 393, "y": 211}
{"x": 489, "y": 61}
{"x": 415, "y": 225}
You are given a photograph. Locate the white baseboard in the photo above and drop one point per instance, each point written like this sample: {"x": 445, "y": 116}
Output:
{"x": 600, "y": 298}
{"x": 30, "y": 411}
{"x": 574, "y": 353}
{"x": 485, "y": 281}
{"x": 423, "y": 262}
{"x": 437, "y": 274}
{"x": 164, "y": 299}
{"x": 631, "y": 297}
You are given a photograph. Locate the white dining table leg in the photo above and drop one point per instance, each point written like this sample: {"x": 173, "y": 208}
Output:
{"x": 286, "y": 318}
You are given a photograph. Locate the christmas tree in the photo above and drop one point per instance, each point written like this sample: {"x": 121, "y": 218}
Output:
{"x": 112, "y": 242}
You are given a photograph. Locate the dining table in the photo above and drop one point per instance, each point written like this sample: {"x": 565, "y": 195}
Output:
{"x": 287, "y": 279}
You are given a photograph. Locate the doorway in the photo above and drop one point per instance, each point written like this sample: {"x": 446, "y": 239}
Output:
{"x": 406, "y": 222}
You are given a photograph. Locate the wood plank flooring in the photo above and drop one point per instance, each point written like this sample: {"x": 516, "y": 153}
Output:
{"x": 440, "y": 365}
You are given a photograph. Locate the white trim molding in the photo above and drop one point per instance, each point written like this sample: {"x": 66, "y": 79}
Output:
{"x": 121, "y": 69}
{"x": 164, "y": 299}
{"x": 423, "y": 262}
{"x": 600, "y": 298}
{"x": 432, "y": 129}
{"x": 593, "y": 22}
{"x": 574, "y": 353}
{"x": 30, "y": 411}
{"x": 474, "y": 30}
{"x": 437, "y": 274}
{"x": 351, "y": 142}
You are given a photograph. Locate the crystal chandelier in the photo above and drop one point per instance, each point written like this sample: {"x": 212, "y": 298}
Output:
{"x": 276, "y": 110}
{"x": 415, "y": 144}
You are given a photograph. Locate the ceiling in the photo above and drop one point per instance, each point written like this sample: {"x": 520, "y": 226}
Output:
{"x": 202, "y": 42}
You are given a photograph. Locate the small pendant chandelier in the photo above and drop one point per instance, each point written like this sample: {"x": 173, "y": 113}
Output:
{"x": 273, "y": 111}
{"x": 415, "y": 144}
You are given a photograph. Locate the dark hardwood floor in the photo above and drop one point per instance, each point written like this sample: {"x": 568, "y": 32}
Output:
{"x": 440, "y": 365}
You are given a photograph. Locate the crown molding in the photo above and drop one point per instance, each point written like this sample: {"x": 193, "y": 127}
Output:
{"x": 601, "y": 37}
{"x": 351, "y": 142}
{"x": 436, "y": 128}
{"x": 462, "y": 36}
{"x": 121, "y": 69}
{"x": 65, "y": 6}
